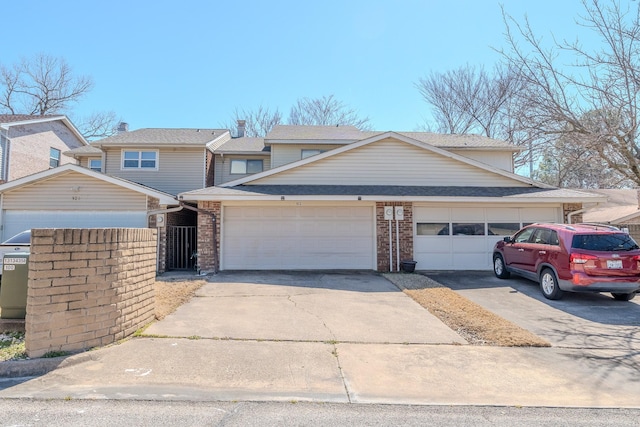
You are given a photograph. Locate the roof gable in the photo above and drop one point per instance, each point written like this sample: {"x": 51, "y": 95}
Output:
{"x": 8, "y": 120}
{"x": 164, "y": 198}
{"x": 386, "y": 159}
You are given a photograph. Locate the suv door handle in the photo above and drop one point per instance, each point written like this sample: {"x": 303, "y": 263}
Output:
{"x": 542, "y": 252}
{"x": 520, "y": 250}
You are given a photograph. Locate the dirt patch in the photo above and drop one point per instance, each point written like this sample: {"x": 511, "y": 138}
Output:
{"x": 474, "y": 323}
{"x": 171, "y": 294}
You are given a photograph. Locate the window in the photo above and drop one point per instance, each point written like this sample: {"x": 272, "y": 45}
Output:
{"x": 524, "y": 235}
{"x": 544, "y": 236}
{"x": 432, "y": 229}
{"x": 95, "y": 165}
{"x": 468, "y": 229}
{"x": 244, "y": 167}
{"x": 503, "y": 228}
{"x": 54, "y": 158}
{"x": 140, "y": 160}
{"x": 309, "y": 153}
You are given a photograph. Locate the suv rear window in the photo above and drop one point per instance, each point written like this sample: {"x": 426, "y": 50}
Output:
{"x": 604, "y": 242}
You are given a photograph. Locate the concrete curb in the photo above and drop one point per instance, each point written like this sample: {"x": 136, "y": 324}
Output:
{"x": 41, "y": 366}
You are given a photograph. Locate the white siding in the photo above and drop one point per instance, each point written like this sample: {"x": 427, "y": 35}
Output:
{"x": 223, "y": 167}
{"x": 16, "y": 221}
{"x": 390, "y": 162}
{"x": 179, "y": 169}
{"x": 498, "y": 159}
{"x": 460, "y": 252}
{"x": 282, "y": 154}
{"x": 74, "y": 191}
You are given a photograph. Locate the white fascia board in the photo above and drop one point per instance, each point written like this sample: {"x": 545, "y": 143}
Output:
{"x": 242, "y": 153}
{"x": 379, "y": 137}
{"x": 218, "y": 141}
{"x": 164, "y": 198}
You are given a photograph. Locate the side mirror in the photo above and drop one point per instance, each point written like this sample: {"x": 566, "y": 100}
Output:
{"x": 508, "y": 239}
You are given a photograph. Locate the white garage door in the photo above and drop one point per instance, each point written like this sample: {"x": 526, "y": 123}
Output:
{"x": 462, "y": 238}
{"x": 17, "y": 221}
{"x": 298, "y": 238}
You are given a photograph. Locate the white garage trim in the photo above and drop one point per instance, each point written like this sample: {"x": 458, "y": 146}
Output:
{"x": 462, "y": 237}
{"x": 299, "y": 236}
{"x": 15, "y": 221}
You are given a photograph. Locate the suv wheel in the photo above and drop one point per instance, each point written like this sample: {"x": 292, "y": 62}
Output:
{"x": 498, "y": 267}
{"x": 623, "y": 297}
{"x": 549, "y": 284}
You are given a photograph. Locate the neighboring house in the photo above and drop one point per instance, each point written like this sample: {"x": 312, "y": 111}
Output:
{"x": 366, "y": 200}
{"x": 622, "y": 209}
{"x": 30, "y": 144}
{"x": 72, "y": 196}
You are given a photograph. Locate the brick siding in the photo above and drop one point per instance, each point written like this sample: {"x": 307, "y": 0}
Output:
{"x": 567, "y": 208}
{"x": 88, "y": 287}
{"x": 405, "y": 228}
{"x": 207, "y": 258}
{"x": 152, "y": 205}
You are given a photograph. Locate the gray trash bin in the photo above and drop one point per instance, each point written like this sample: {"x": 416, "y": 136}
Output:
{"x": 13, "y": 292}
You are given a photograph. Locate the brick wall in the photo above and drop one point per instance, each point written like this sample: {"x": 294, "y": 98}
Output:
{"x": 161, "y": 263}
{"x": 88, "y": 287}
{"x": 567, "y": 208}
{"x": 405, "y": 235}
{"x": 207, "y": 258}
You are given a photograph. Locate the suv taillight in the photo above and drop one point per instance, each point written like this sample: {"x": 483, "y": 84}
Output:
{"x": 581, "y": 258}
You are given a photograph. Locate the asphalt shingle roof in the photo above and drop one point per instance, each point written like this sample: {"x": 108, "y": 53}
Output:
{"x": 390, "y": 190}
{"x": 292, "y": 132}
{"x": 11, "y": 118}
{"x": 163, "y": 136}
{"x": 85, "y": 149}
{"x": 243, "y": 145}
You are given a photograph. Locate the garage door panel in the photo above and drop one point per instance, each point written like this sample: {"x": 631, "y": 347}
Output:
{"x": 298, "y": 237}
{"x": 468, "y": 252}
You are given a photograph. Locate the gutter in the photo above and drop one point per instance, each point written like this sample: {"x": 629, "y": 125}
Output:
{"x": 571, "y": 214}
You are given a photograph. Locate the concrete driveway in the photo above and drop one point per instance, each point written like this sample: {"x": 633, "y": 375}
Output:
{"x": 352, "y": 338}
{"x": 578, "y": 320}
{"x": 323, "y": 307}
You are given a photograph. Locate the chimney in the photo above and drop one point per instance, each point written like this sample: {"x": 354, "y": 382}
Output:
{"x": 123, "y": 127}
{"x": 241, "y": 128}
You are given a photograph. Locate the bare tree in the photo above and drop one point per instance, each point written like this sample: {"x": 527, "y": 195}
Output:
{"x": 470, "y": 100}
{"x": 593, "y": 102}
{"x": 42, "y": 85}
{"x": 46, "y": 85}
{"x": 259, "y": 121}
{"x": 325, "y": 111}
{"x": 98, "y": 125}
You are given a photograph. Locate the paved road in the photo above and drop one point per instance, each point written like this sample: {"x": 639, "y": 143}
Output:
{"x": 343, "y": 338}
{"x": 90, "y": 413}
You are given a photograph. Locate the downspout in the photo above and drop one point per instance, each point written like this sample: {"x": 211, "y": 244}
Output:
{"x": 5, "y": 156}
{"x": 571, "y": 214}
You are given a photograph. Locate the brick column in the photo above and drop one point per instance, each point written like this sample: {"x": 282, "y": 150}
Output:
{"x": 208, "y": 258}
{"x": 405, "y": 231}
{"x": 567, "y": 208}
{"x": 152, "y": 205}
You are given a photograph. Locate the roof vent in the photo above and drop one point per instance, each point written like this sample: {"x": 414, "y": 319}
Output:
{"x": 123, "y": 127}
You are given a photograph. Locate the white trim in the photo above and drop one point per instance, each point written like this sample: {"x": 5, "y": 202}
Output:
{"x": 402, "y": 138}
{"x": 164, "y": 198}
{"x": 140, "y": 151}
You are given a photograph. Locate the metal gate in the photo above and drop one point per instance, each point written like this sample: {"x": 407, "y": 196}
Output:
{"x": 181, "y": 247}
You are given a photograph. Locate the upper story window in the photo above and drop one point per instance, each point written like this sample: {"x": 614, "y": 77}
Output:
{"x": 141, "y": 159}
{"x": 54, "y": 157}
{"x": 247, "y": 166}
{"x": 309, "y": 153}
{"x": 95, "y": 165}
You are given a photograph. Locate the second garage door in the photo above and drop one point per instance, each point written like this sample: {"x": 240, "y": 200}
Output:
{"x": 298, "y": 238}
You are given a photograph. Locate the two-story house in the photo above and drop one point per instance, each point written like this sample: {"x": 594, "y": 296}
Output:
{"x": 30, "y": 144}
{"x": 340, "y": 198}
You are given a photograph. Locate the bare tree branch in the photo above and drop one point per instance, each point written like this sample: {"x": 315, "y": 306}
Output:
{"x": 325, "y": 111}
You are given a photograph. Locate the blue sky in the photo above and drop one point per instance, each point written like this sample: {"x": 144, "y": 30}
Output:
{"x": 191, "y": 63}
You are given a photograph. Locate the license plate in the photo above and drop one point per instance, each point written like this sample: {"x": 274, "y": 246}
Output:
{"x": 614, "y": 263}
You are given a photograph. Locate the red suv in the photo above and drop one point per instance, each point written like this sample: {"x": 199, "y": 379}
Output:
{"x": 572, "y": 257}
